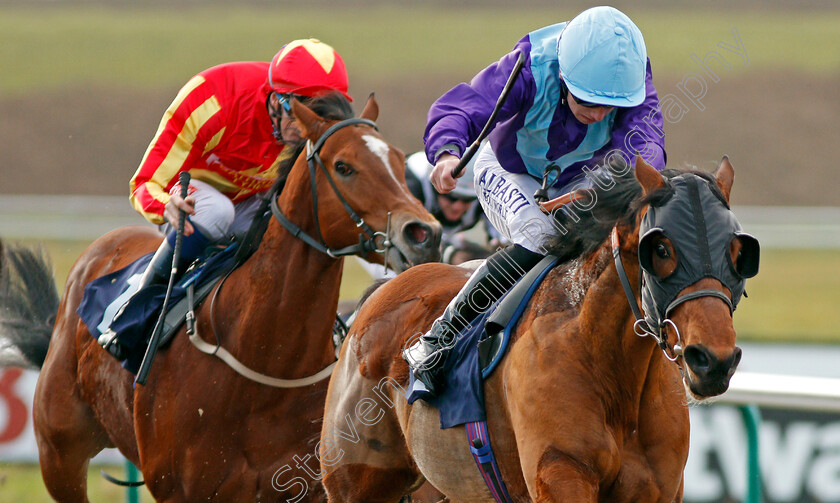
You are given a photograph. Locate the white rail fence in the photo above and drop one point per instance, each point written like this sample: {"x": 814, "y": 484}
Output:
{"x": 88, "y": 217}
{"x": 819, "y": 394}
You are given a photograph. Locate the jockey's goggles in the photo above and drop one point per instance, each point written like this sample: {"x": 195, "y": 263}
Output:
{"x": 286, "y": 102}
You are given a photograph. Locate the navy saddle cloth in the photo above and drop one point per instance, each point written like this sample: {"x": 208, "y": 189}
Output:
{"x": 462, "y": 400}
{"x": 104, "y": 296}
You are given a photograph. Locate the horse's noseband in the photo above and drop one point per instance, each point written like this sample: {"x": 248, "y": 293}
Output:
{"x": 368, "y": 239}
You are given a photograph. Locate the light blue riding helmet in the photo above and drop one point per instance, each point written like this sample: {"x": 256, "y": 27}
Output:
{"x": 603, "y": 58}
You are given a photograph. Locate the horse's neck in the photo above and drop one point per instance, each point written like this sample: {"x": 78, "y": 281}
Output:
{"x": 606, "y": 321}
{"x": 286, "y": 294}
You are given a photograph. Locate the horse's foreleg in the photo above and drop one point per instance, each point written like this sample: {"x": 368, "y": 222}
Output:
{"x": 66, "y": 443}
{"x": 562, "y": 478}
{"x": 67, "y": 433}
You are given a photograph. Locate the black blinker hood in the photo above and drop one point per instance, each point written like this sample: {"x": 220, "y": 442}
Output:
{"x": 700, "y": 225}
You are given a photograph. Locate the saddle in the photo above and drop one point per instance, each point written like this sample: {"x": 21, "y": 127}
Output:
{"x": 104, "y": 296}
{"x": 496, "y": 337}
{"x": 478, "y": 351}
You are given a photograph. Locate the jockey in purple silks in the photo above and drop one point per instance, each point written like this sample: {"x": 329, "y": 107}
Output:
{"x": 584, "y": 98}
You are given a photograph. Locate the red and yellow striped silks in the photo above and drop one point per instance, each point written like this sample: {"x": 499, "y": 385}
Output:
{"x": 218, "y": 129}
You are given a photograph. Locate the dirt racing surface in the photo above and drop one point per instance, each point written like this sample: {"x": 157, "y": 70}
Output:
{"x": 783, "y": 144}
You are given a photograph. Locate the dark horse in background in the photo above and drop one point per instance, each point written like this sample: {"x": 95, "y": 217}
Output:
{"x": 198, "y": 430}
{"x": 581, "y": 409}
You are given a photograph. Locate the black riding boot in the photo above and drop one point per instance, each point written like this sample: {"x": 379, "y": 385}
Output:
{"x": 156, "y": 272}
{"x": 486, "y": 285}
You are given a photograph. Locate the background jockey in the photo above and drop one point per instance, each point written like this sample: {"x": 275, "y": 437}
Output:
{"x": 457, "y": 211}
{"x": 585, "y": 94}
{"x": 229, "y": 126}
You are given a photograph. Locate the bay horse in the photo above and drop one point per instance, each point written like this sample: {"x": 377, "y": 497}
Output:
{"x": 582, "y": 408}
{"x": 197, "y": 430}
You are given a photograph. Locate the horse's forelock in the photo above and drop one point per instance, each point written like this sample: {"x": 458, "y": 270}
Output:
{"x": 332, "y": 107}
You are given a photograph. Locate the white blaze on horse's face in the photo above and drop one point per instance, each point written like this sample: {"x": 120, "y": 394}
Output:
{"x": 381, "y": 150}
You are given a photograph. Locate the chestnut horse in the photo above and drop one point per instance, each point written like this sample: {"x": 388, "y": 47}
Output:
{"x": 581, "y": 409}
{"x": 198, "y": 430}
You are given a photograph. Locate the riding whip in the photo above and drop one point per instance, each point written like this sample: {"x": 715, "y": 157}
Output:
{"x": 517, "y": 67}
{"x": 151, "y": 350}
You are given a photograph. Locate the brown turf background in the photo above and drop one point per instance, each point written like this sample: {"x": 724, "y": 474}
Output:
{"x": 778, "y": 129}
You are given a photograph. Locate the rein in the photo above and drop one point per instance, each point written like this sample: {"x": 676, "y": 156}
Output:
{"x": 641, "y": 326}
{"x": 313, "y": 158}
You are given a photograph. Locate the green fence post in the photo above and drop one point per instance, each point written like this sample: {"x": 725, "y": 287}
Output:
{"x": 132, "y": 494}
{"x": 752, "y": 420}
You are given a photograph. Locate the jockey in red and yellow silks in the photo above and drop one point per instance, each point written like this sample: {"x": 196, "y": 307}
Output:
{"x": 229, "y": 127}
{"x": 218, "y": 129}
{"x": 218, "y": 126}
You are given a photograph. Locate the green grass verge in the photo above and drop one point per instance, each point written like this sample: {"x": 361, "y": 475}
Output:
{"x": 791, "y": 300}
{"x": 51, "y": 47}
{"x": 22, "y": 483}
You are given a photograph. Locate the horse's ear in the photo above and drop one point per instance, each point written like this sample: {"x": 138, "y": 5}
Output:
{"x": 648, "y": 177}
{"x": 724, "y": 176}
{"x": 309, "y": 123}
{"x": 371, "y": 111}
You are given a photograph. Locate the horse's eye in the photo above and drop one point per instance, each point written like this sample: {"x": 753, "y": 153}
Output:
{"x": 662, "y": 251}
{"x": 343, "y": 169}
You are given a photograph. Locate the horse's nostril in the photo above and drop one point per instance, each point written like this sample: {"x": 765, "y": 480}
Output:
{"x": 697, "y": 360}
{"x": 736, "y": 356}
{"x": 417, "y": 233}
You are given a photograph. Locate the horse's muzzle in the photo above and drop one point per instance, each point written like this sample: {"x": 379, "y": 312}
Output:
{"x": 709, "y": 373}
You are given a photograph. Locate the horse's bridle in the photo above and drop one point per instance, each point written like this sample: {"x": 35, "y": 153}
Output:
{"x": 364, "y": 246}
{"x": 697, "y": 220}
{"x": 641, "y": 326}
{"x": 367, "y": 240}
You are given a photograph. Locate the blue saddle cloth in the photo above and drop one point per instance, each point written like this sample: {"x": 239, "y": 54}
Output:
{"x": 104, "y": 296}
{"x": 462, "y": 400}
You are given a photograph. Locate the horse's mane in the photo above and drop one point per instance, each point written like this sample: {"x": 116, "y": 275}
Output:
{"x": 332, "y": 106}
{"x": 619, "y": 203}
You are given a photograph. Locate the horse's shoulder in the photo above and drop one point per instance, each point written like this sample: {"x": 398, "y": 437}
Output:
{"x": 397, "y": 310}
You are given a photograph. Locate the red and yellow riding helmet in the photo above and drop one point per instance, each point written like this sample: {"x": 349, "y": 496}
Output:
{"x": 307, "y": 67}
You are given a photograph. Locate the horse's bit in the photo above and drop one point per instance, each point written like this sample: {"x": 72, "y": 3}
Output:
{"x": 640, "y": 326}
